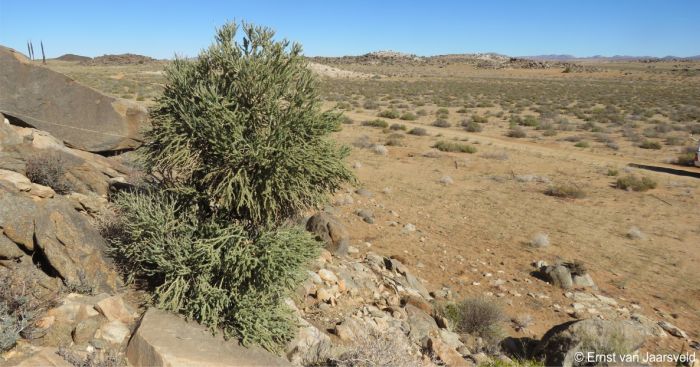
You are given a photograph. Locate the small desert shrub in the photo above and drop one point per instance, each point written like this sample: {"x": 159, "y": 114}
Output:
{"x": 378, "y": 350}
{"x": 343, "y": 106}
{"x": 516, "y": 132}
{"x": 370, "y": 105}
{"x": 397, "y": 127}
{"x": 648, "y": 144}
{"x": 395, "y": 140}
{"x": 471, "y": 126}
{"x": 540, "y": 240}
{"x": 20, "y": 306}
{"x": 545, "y": 125}
{"x": 363, "y": 142}
{"x": 451, "y": 146}
{"x": 612, "y": 172}
{"x": 376, "y": 123}
{"x": 529, "y": 120}
{"x": 573, "y": 138}
{"x": 498, "y": 156}
{"x": 476, "y": 316}
{"x": 675, "y": 140}
{"x": 380, "y": 149}
{"x": 635, "y": 183}
{"x": 635, "y": 233}
{"x": 48, "y": 169}
{"x": 408, "y": 116}
{"x": 612, "y": 145}
{"x": 442, "y": 111}
{"x": 389, "y": 114}
{"x": 479, "y": 119}
{"x": 441, "y": 123}
{"x": 446, "y": 180}
{"x": 568, "y": 191}
{"x": 620, "y": 340}
{"x": 346, "y": 120}
{"x": 419, "y": 131}
{"x": 422, "y": 112}
{"x": 522, "y": 322}
{"x": 582, "y": 144}
{"x": 515, "y": 120}
{"x": 109, "y": 358}
{"x": 686, "y": 157}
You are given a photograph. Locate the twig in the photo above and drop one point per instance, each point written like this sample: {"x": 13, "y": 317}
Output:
{"x": 660, "y": 199}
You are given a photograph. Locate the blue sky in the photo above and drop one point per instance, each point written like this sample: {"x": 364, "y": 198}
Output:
{"x": 160, "y": 28}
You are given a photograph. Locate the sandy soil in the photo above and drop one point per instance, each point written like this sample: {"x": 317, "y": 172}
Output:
{"x": 479, "y": 227}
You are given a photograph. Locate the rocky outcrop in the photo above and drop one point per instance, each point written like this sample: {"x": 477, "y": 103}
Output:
{"x": 52, "y": 233}
{"x": 81, "y": 117}
{"x": 165, "y": 339}
{"x": 566, "y": 275}
{"x": 87, "y": 173}
{"x": 347, "y": 301}
{"x": 559, "y": 346}
{"x": 72, "y": 246}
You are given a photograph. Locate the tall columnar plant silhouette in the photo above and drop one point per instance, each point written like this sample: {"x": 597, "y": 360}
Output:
{"x": 239, "y": 146}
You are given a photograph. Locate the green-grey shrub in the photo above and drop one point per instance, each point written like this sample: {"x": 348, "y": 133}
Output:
{"x": 635, "y": 183}
{"x": 452, "y": 146}
{"x": 376, "y": 123}
{"x": 240, "y": 131}
{"x": 220, "y": 274}
{"x": 419, "y": 131}
{"x": 238, "y": 147}
{"x": 390, "y": 114}
{"x": 476, "y": 316}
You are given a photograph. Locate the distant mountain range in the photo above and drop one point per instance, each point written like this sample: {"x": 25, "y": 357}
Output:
{"x": 609, "y": 58}
{"x": 394, "y": 55}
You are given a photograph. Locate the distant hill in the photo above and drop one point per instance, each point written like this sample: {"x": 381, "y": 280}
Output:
{"x": 73, "y": 57}
{"x": 121, "y": 59}
{"x": 556, "y": 57}
{"x": 489, "y": 60}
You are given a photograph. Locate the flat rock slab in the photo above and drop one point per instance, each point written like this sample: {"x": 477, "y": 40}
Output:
{"x": 80, "y": 116}
{"x": 46, "y": 357}
{"x": 166, "y": 339}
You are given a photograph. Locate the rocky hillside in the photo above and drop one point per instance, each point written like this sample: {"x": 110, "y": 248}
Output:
{"x": 478, "y": 60}
{"x": 73, "y": 58}
{"x": 121, "y": 59}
